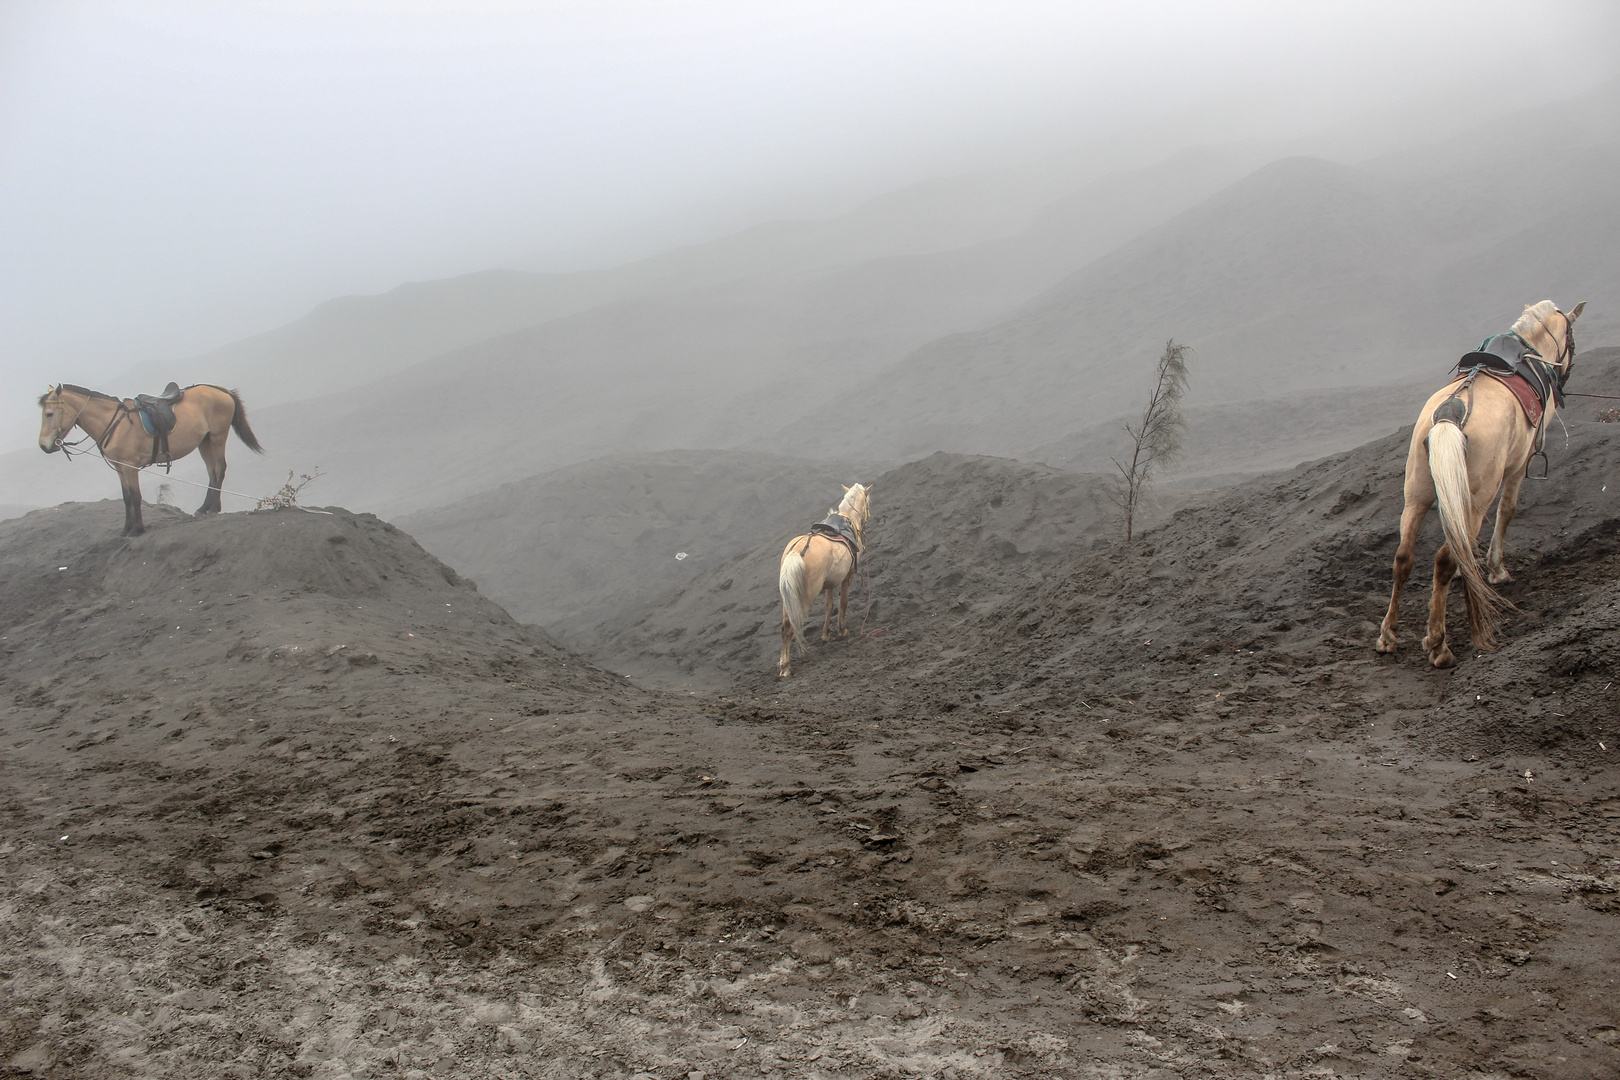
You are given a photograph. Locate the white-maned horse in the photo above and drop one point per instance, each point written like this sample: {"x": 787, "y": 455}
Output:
{"x": 1464, "y": 452}
{"x": 816, "y": 563}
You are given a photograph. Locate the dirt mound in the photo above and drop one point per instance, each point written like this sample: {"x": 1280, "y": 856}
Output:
{"x": 1552, "y": 688}
{"x": 949, "y": 534}
{"x": 292, "y": 798}
{"x": 571, "y": 548}
{"x": 1293, "y": 568}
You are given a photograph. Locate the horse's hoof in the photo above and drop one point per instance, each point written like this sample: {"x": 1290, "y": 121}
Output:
{"x": 1443, "y": 658}
{"x": 1385, "y": 642}
{"x": 1499, "y": 577}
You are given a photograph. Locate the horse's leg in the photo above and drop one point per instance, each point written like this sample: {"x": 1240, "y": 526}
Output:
{"x": 1445, "y": 568}
{"x": 784, "y": 663}
{"x": 1416, "y": 509}
{"x": 1495, "y": 572}
{"x": 130, "y": 480}
{"x": 843, "y": 603}
{"x": 212, "y": 451}
{"x": 827, "y": 610}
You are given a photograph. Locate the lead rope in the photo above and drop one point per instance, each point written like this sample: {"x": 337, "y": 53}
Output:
{"x": 864, "y": 632}
{"x": 113, "y": 463}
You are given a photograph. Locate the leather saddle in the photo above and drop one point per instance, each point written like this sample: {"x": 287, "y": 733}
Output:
{"x": 836, "y": 527}
{"x": 157, "y": 417}
{"x": 1507, "y": 355}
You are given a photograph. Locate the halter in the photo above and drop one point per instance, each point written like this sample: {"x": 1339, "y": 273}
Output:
{"x": 857, "y": 525}
{"x": 70, "y": 450}
{"x": 1563, "y": 352}
{"x": 54, "y": 397}
{"x": 1562, "y": 363}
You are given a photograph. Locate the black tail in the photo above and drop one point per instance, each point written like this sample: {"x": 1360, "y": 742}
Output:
{"x": 239, "y": 424}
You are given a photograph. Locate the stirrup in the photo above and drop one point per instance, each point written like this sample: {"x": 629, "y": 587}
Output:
{"x": 1542, "y": 454}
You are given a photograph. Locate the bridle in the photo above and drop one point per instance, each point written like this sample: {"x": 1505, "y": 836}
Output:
{"x": 857, "y": 519}
{"x": 1563, "y": 362}
{"x": 70, "y": 450}
{"x": 59, "y": 437}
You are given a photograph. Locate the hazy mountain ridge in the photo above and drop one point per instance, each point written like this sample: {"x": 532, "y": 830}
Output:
{"x": 1304, "y": 272}
{"x": 349, "y": 341}
{"x": 1299, "y": 273}
{"x": 714, "y": 365}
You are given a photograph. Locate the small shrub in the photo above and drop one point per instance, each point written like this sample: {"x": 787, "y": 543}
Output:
{"x": 287, "y": 497}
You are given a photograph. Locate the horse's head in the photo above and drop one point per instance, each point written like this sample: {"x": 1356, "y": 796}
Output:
{"x": 57, "y": 415}
{"x": 856, "y": 508}
{"x": 1551, "y": 333}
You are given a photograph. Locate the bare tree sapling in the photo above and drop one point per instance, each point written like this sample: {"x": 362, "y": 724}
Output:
{"x": 1156, "y": 440}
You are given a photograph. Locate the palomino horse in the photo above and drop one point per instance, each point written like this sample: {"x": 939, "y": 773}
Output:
{"x": 203, "y": 419}
{"x": 1463, "y": 471}
{"x": 817, "y": 563}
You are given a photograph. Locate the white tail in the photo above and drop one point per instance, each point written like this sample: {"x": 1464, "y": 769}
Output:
{"x": 790, "y": 583}
{"x": 1448, "y": 465}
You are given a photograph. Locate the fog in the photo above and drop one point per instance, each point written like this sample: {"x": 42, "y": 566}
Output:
{"x": 176, "y": 176}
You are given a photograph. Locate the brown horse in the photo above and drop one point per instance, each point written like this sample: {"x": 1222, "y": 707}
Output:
{"x": 203, "y": 419}
{"x": 815, "y": 563}
{"x": 1463, "y": 472}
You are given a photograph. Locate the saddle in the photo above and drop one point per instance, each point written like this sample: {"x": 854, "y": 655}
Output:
{"x": 836, "y": 527}
{"x": 1513, "y": 363}
{"x": 157, "y": 417}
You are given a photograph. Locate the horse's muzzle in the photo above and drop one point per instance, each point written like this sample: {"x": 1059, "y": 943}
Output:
{"x": 51, "y": 447}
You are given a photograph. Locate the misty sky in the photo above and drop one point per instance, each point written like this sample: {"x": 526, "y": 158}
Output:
{"x": 174, "y": 176}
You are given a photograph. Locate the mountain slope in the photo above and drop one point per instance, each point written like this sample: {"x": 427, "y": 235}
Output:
{"x": 1304, "y": 274}
{"x": 353, "y": 340}
{"x": 571, "y": 548}
{"x": 713, "y": 365}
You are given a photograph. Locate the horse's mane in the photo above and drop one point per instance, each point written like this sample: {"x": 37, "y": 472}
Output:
{"x": 87, "y": 392}
{"x": 1534, "y": 317}
{"x": 74, "y": 389}
{"x": 849, "y": 498}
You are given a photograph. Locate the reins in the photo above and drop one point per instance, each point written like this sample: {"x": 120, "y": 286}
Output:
{"x": 70, "y": 450}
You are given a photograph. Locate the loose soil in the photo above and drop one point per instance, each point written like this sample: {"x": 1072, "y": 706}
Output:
{"x": 283, "y": 795}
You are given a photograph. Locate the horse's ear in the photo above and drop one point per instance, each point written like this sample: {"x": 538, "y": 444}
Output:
{"x": 1576, "y": 313}
{"x": 844, "y": 486}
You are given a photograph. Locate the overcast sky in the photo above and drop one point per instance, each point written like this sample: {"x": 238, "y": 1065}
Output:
{"x": 174, "y": 176}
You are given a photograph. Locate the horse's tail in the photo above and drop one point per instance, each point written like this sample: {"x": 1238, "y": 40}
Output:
{"x": 790, "y": 583}
{"x": 1448, "y": 465}
{"x": 239, "y": 424}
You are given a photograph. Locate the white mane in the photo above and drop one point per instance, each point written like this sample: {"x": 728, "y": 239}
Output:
{"x": 854, "y": 497}
{"x": 1534, "y": 318}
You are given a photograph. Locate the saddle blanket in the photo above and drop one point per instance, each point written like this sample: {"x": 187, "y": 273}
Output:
{"x": 1521, "y": 388}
